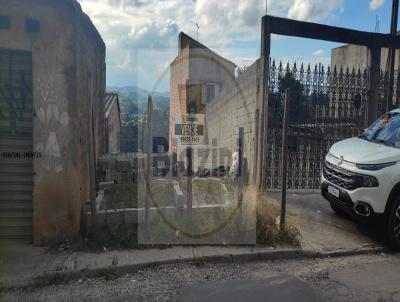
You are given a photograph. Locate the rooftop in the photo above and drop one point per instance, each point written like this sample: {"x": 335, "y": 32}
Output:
{"x": 187, "y": 41}
{"x": 111, "y": 98}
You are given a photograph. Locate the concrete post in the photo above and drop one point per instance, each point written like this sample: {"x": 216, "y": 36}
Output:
{"x": 189, "y": 179}
{"x": 92, "y": 173}
{"x": 240, "y": 173}
{"x": 263, "y": 125}
{"x": 373, "y": 98}
{"x": 284, "y": 156}
{"x": 256, "y": 126}
{"x": 148, "y": 175}
{"x": 392, "y": 56}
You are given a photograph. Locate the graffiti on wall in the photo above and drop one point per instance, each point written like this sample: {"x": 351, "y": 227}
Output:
{"x": 53, "y": 117}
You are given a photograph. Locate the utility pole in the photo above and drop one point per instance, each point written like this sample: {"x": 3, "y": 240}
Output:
{"x": 391, "y": 55}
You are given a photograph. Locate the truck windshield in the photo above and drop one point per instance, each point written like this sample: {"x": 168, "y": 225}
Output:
{"x": 385, "y": 130}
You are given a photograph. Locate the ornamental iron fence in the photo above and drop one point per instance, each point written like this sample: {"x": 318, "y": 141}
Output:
{"x": 327, "y": 104}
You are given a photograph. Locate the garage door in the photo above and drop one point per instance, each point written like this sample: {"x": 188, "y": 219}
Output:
{"x": 16, "y": 145}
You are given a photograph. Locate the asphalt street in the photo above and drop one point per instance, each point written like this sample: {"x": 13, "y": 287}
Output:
{"x": 356, "y": 278}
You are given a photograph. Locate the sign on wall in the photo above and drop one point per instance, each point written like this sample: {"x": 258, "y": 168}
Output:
{"x": 189, "y": 129}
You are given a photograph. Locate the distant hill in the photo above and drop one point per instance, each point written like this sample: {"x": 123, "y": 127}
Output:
{"x": 134, "y": 99}
{"x": 133, "y": 103}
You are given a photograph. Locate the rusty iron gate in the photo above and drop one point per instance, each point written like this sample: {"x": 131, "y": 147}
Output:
{"x": 327, "y": 105}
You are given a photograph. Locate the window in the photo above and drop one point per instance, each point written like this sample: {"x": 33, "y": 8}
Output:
{"x": 211, "y": 91}
{"x": 5, "y": 22}
{"x": 385, "y": 130}
{"x": 32, "y": 25}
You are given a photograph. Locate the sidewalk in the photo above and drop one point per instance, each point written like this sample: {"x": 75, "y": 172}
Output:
{"x": 20, "y": 265}
{"x": 26, "y": 265}
{"x": 323, "y": 230}
{"x": 323, "y": 234}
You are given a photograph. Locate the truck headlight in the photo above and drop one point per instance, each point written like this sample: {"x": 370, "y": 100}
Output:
{"x": 375, "y": 167}
{"x": 367, "y": 181}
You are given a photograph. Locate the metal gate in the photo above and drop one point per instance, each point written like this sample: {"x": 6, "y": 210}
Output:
{"x": 16, "y": 145}
{"x": 327, "y": 105}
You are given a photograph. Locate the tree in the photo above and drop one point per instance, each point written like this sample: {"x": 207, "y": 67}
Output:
{"x": 129, "y": 138}
{"x": 299, "y": 100}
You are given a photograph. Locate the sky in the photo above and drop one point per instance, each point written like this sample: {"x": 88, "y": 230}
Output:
{"x": 141, "y": 36}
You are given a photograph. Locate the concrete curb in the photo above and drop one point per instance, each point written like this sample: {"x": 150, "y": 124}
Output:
{"x": 74, "y": 275}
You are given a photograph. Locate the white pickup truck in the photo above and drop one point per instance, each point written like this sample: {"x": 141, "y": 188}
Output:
{"x": 361, "y": 175}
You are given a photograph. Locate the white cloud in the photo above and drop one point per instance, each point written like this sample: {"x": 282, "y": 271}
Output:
{"x": 375, "y": 4}
{"x": 128, "y": 25}
{"x": 314, "y": 10}
{"x": 318, "y": 53}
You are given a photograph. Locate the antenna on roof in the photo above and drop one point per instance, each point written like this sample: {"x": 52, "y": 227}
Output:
{"x": 266, "y": 7}
{"x": 197, "y": 25}
{"x": 377, "y": 24}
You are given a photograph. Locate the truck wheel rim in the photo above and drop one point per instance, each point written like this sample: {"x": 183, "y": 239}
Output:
{"x": 397, "y": 224}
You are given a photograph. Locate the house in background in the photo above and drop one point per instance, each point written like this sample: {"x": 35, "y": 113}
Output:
{"x": 112, "y": 123}
{"x": 357, "y": 58}
{"x": 52, "y": 90}
{"x": 197, "y": 76}
{"x": 203, "y": 82}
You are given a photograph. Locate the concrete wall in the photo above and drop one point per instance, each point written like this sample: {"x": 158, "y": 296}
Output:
{"x": 113, "y": 129}
{"x": 205, "y": 66}
{"x": 179, "y": 70}
{"x": 234, "y": 107}
{"x": 68, "y": 93}
{"x": 357, "y": 57}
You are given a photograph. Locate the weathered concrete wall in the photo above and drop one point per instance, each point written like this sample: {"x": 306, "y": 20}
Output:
{"x": 68, "y": 93}
{"x": 113, "y": 132}
{"x": 205, "y": 66}
{"x": 179, "y": 74}
{"x": 357, "y": 57}
{"x": 233, "y": 108}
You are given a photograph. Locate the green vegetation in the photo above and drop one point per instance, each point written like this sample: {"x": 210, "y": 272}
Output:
{"x": 107, "y": 237}
{"x": 218, "y": 225}
{"x": 268, "y": 232}
{"x": 121, "y": 196}
{"x": 133, "y": 104}
{"x": 301, "y": 100}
